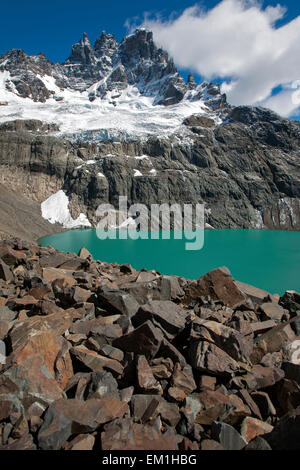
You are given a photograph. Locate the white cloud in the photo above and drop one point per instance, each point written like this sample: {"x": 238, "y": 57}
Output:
{"x": 238, "y": 41}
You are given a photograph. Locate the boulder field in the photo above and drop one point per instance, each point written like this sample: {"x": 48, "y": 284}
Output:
{"x": 98, "y": 356}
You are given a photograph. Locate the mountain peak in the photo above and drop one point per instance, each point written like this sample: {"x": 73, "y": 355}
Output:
{"x": 139, "y": 45}
{"x": 82, "y": 52}
{"x": 135, "y": 75}
{"x": 105, "y": 45}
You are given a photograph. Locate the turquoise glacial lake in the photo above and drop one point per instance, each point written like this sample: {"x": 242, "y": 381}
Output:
{"x": 268, "y": 259}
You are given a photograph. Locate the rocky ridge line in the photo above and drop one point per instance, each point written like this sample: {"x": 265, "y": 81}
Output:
{"x": 106, "y": 67}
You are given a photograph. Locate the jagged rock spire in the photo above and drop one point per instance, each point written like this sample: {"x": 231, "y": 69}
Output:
{"x": 191, "y": 81}
{"x": 105, "y": 45}
{"x": 82, "y": 52}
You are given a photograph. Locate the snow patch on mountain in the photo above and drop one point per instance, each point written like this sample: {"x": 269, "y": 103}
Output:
{"x": 111, "y": 91}
{"x": 56, "y": 210}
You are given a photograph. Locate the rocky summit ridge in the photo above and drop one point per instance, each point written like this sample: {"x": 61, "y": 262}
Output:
{"x": 105, "y": 71}
{"x": 101, "y": 356}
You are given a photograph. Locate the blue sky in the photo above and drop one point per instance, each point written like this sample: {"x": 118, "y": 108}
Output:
{"x": 53, "y": 27}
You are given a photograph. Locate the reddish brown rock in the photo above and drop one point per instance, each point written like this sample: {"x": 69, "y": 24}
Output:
{"x": 47, "y": 307}
{"x": 125, "y": 435}
{"x": 113, "y": 353}
{"x": 81, "y": 442}
{"x": 106, "y": 333}
{"x": 145, "y": 379}
{"x": 272, "y": 341}
{"x": 248, "y": 400}
{"x": 183, "y": 381}
{"x": 208, "y": 357}
{"x": 58, "y": 322}
{"x": 55, "y": 352}
{"x": 6, "y": 407}
{"x": 259, "y": 377}
{"x": 66, "y": 417}
{"x": 238, "y": 410}
{"x": 35, "y": 422}
{"x": 117, "y": 301}
{"x": 51, "y": 274}
{"x": 24, "y": 443}
{"x": 272, "y": 360}
{"x": 140, "y": 404}
{"x": 84, "y": 253}
{"x": 206, "y": 407}
{"x": 73, "y": 264}
{"x": 26, "y": 302}
{"x": 35, "y": 409}
{"x": 70, "y": 296}
{"x": 187, "y": 445}
{"x": 162, "y": 368}
{"x": 272, "y": 311}
{"x": 219, "y": 285}
{"x": 110, "y": 319}
{"x": 76, "y": 339}
{"x": 7, "y": 315}
{"x": 150, "y": 411}
{"x": 20, "y": 425}
{"x": 166, "y": 315}
{"x": 145, "y": 340}
{"x": 94, "y": 362}
{"x": 93, "y": 345}
{"x": 252, "y": 427}
{"x": 239, "y": 347}
{"x": 11, "y": 256}
{"x": 126, "y": 394}
{"x": 41, "y": 292}
{"x": 176, "y": 394}
{"x": 52, "y": 259}
{"x": 85, "y": 327}
{"x": 262, "y": 326}
{"x": 179, "y": 351}
{"x": 30, "y": 382}
{"x": 266, "y": 376}
{"x": 258, "y": 296}
{"x": 206, "y": 382}
{"x": 168, "y": 351}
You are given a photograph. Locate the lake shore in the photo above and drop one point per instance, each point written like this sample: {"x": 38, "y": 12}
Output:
{"x": 269, "y": 259}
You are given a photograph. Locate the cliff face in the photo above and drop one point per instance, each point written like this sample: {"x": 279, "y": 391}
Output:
{"x": 246, "y": 171}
